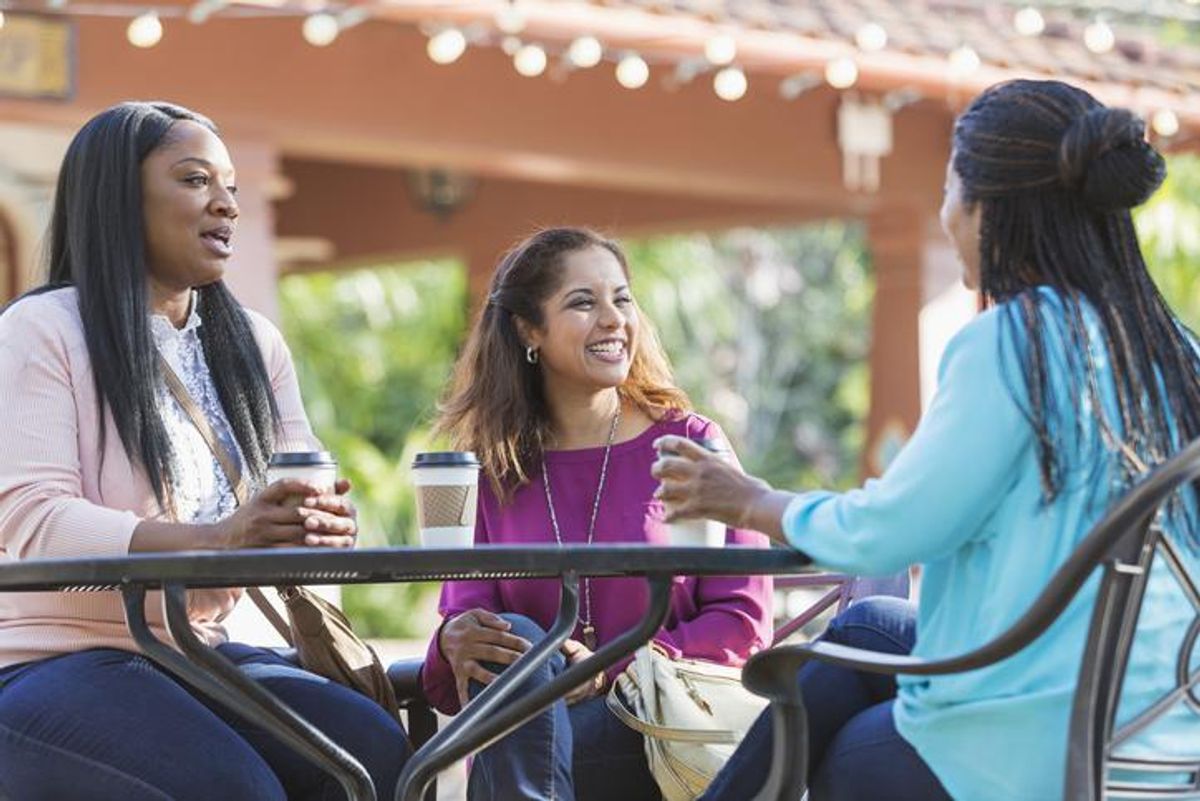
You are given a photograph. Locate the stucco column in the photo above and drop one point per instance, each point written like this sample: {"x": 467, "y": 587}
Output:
{"x": 920, "y": 303}
{"x": 253, "y": 273}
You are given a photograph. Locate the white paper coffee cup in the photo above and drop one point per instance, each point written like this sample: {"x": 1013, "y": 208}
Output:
{"x": 699, "y": 533}
{"x": 447, "y": 489}
{"x": 318, "y": 468}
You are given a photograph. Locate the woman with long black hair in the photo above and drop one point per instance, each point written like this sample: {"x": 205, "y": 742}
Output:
{"x": 99, "y": 458}
{"x": 1050, "y": 405}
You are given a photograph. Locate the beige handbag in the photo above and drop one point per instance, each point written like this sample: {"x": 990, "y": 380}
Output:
{"x": 692, "y": 715}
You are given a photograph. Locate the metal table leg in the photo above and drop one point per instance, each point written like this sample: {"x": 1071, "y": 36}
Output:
{"x": 457, "y": 741}
{"x": 216, "y": 677}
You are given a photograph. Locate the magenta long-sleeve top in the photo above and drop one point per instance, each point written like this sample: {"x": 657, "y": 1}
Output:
{"x": 721, "y": 619}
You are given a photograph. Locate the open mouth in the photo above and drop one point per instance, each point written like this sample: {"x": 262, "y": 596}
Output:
{"x": 609, "y": 350}
{"x": 219, "y": 240}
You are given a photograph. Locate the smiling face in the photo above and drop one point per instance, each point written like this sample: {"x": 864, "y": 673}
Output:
{"x": 589, "y": 324}
{"x": 188, "y": 208}
{"x": 961, "y": 221}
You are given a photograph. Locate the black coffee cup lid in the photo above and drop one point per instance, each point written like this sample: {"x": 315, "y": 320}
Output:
{"x": 302, "y": 459}
{"x": 446, "y": 459}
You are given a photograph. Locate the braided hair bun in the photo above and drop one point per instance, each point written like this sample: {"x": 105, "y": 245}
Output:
{"x": 1104, "y": 156}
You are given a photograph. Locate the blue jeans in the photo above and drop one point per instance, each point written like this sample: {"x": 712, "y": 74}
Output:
{"x": 854, "y": 750}
{"x": 109, "y": 725}
{"x": 566, "y": 753}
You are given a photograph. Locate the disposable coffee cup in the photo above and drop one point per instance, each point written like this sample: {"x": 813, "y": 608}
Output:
{"x": 447, "y": 485}
{"x": 700, "y": 533}
{"x": 318, "y": 468}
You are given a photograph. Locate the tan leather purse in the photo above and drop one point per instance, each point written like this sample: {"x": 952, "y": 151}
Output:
{"x": 692, "y": 715}
{"x": 324, "y": 641}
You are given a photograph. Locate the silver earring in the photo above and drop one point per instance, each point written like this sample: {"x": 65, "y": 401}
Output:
{"x": 531, "y": 355}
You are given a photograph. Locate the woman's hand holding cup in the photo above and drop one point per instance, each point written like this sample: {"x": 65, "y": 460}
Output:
{"x": 695, "y": 482}
{"x": 291, "y": 513}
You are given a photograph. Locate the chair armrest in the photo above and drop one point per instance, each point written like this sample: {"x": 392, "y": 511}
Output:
{"x": 405, "y": 676}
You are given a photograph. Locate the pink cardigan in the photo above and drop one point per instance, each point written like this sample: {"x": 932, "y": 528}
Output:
{"x": 60, "y": 496}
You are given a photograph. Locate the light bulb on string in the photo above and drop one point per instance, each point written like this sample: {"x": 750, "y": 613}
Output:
{"x": 320, "y": 29}
{"x": 720, "y": 50}
{"x": 963, "y": 61}
{"x": 145, "y": 30}
{"x": 530, "y": 61}
{"x": 632, "y": 71}
{"x": 585, "y": 52}
{"x": 871, "y": 37}
{"x": 1099, "y": 37}
{"x": 1029, "y": 21}
{"x": 730, "y": 84}
{"x": 1165, "y": 122}
{"x": 446, "y": 47}
{"x": 841, "y": 73}
{"x": 510, "y": 45}
{"x": 509, "y": 18}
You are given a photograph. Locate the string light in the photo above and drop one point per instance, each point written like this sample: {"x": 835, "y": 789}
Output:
{"x": 145, "y": 30}
{"x": 730, "y": 84}
{"x": 446, "y": 47}
{"x": 585, "y": 52}
{"x": 509, "y": 19}
{"x": 632, "y": 71}
{"x": 320, "y": 29}
{"x": 1098, "y": 37}
{"x": 1165, "y": 122}
{"x": 871, "y": 37}
{"x": 510, "y": 45}
{"x": 720, "y": 50}
{"x": 841, "y": 73}
{"x": 963, "y": 61}
{"x": 530, "y": 61}
{"x": 1029, "y": 22}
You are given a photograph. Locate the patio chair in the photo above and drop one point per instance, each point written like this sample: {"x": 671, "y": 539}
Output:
{"x": 405, "y": 676}
{"x": 844, "y": 590}
{"x": 1123, "y": 544}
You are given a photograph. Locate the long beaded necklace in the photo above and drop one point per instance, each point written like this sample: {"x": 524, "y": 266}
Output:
{"x": 589, "y": 631}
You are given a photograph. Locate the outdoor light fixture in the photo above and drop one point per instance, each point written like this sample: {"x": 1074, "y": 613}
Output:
{"x": 871, "y": 37}
{"x": 440, "y": 192}
{"x": 320, "y": 29}
{"x": 1029, "y": 22}
{"x": 841, "y": 73}
{"x": 720, "y": 50}
{"x": 145, "y": 30}
{"x": 1, "y": 20}
{"x": 445, "y": 47}
{"x": 530, "y": 61}
{"x": 1165, "y": 122}
{"x": 632, "y": 71}
{"x": 585, "y": 52}
{"x": 963, "y": 61}
{"x": 730, "y": 84}
{"x": 1098, "y": 37}
{"x": 864, "y": 137}
{"x": 509, "y": 18}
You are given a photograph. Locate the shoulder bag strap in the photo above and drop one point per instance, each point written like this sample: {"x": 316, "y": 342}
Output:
{"x": 232, "y": 474}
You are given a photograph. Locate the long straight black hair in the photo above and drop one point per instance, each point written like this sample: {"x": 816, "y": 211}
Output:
{"x": 97, "y": 245}
{"x": 1057, "y": 174}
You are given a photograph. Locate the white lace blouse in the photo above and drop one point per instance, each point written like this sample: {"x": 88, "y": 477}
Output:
{"x": 202, "y": 494}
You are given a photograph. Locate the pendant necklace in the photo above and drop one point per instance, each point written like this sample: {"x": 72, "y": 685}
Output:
{"x": 589, "y": 631}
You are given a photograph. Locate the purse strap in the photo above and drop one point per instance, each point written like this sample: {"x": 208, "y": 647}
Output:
{"x": 232, "y": 474}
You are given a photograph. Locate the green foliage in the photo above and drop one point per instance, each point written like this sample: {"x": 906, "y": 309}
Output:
{"x": 373, "y": 349}
{"x": 768, "y": 332}
{"x": 1169, "y": 230}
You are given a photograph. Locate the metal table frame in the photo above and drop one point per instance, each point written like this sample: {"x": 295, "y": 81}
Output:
{"x": 490, "y": 716}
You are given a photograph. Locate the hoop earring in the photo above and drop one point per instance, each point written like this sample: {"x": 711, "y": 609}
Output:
{"x": 531, "y": 355}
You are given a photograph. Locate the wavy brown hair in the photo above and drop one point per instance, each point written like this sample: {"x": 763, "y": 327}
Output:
{"x": 495, "y": 404}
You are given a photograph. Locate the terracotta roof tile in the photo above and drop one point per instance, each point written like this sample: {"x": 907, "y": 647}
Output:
{"x": 935, "y": 27}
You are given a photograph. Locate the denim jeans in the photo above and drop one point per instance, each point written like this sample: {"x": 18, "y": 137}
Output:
{"x": 567, "y": 753}
{"x": 854, "y": 750}
{"x": 108, "y": 725}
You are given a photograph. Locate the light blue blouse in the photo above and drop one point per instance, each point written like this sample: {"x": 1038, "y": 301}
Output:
{"x": 964, "y": 499}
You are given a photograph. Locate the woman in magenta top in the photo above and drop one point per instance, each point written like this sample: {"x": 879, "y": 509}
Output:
{"x": 563, "y": 378}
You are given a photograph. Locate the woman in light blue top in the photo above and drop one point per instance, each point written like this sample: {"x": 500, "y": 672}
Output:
{"x": 1049, "y": 405}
